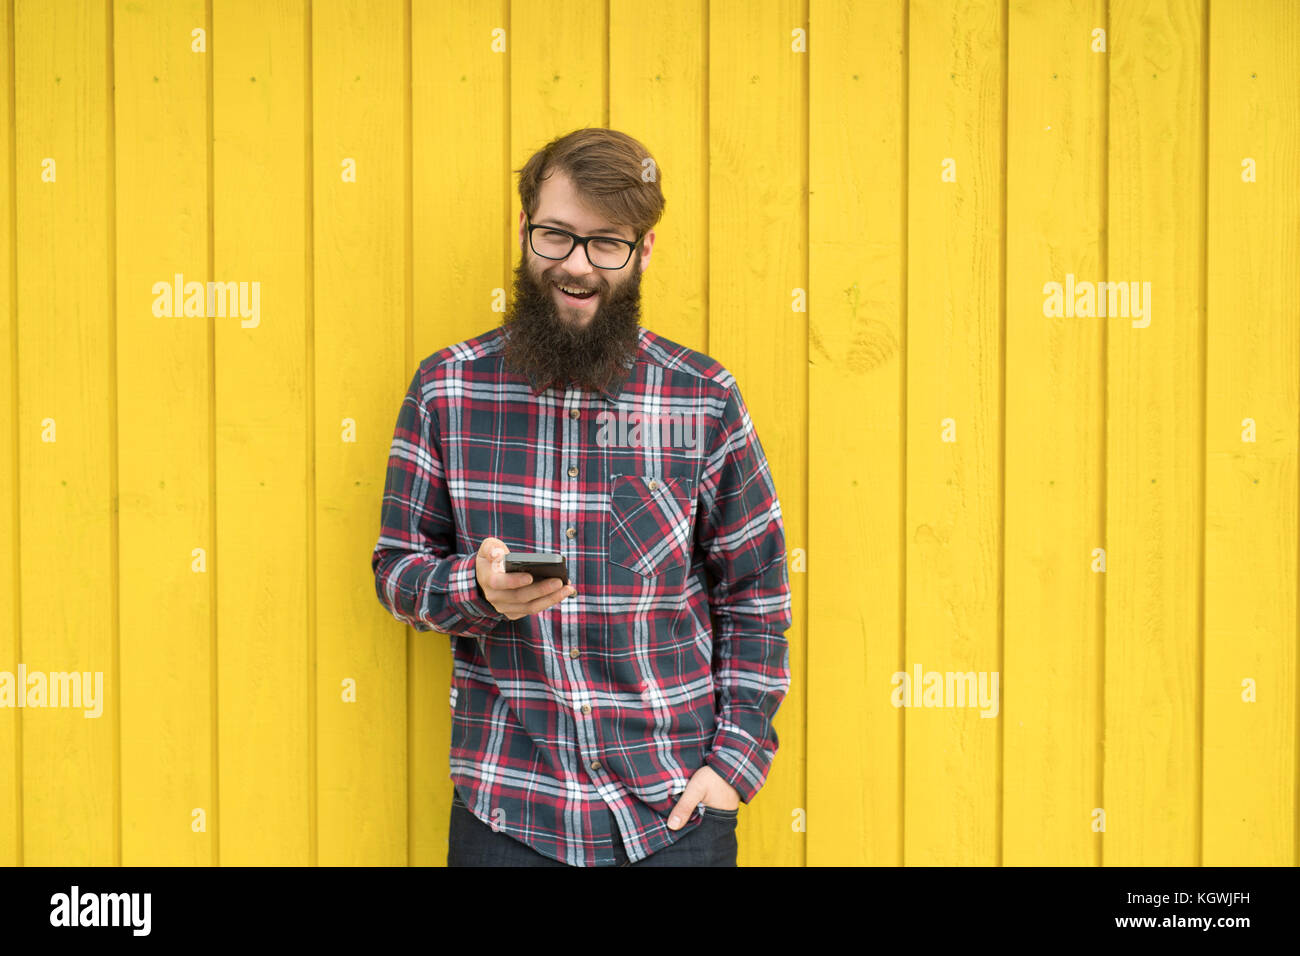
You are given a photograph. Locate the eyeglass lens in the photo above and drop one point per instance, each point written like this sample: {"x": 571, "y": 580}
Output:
{"x": 603, "y": 253}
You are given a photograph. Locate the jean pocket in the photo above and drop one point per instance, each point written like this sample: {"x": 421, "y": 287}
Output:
{"x": 707, "y": 812}
{"x": 650, "y": 522}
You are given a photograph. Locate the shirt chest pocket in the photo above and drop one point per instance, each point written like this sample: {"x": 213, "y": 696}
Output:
{"x": 650, "y": 522}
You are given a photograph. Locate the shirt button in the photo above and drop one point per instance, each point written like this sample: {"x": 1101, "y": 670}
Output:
{"x": 570, "y": 531}
{"x": 573, "y": 652}
{"x": 586, "y": 709}
{"x": 573, "y": 471}
{"x": 654, "y": 485}
{"x": 595, "y": 765}
{"x": 574, "y": 413}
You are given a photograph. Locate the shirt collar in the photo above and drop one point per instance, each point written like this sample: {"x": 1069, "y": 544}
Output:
{"x": 610, "y": 394}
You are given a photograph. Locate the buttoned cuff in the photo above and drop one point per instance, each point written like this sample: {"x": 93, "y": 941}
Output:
{"x": 740, "y": 761}
{"x": 463, "y": 591}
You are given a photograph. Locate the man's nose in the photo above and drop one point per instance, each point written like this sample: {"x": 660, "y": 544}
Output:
{"x": 577, "y": 260}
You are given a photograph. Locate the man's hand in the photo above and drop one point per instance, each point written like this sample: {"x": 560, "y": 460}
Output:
{"x": 705, "y": 787}
{"x": 514, "y": 594}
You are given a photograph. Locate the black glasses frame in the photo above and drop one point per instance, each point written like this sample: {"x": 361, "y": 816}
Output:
{"x": 632, "y": 246}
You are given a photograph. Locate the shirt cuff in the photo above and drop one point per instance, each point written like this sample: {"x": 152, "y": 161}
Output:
{"x": 741, "y": 762}
{"x": 463, "y": 591}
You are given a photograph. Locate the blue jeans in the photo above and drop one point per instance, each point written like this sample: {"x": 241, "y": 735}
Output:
{"x": 471, "y": 842}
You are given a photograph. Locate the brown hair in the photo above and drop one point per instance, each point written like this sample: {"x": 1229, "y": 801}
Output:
{"x": 608, "y": 169}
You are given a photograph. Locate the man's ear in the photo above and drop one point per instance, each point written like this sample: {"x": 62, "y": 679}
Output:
{"x": 647, "y": 248}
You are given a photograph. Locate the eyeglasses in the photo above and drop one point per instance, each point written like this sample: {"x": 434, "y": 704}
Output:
{"x": 603, "y": 252}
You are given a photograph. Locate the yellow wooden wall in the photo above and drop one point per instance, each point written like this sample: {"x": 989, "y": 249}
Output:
{"x": 200, "y": 527}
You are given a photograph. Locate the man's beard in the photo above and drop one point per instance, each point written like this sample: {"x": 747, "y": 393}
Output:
{"x": 546, "y": 349}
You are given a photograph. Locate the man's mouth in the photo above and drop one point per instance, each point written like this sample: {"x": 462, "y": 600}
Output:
{"x": 575, "y": 293}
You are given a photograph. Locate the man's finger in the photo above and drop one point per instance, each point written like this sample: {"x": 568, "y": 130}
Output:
{"x": 547, "y": 600}
{"x": 502, "y": 580}
{"x": 530, "y": 600}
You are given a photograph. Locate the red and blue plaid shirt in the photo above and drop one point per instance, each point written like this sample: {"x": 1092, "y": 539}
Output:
{"x": 670, "y": 656}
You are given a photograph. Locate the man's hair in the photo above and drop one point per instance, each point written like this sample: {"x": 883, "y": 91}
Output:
{"x": 609, "y": 170}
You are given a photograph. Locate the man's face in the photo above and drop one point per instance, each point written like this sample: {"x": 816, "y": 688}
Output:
{"x": 558, "y": 338}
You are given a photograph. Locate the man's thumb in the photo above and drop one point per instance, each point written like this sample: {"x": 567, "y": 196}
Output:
{"x": 690, "y": 798}
{"x": 492, "y": 548}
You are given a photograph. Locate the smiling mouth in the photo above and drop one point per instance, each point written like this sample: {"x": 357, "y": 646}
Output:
{"x": 577, "y": 295}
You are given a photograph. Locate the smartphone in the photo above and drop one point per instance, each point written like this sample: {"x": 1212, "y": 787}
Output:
{"x": 539, "y": 565}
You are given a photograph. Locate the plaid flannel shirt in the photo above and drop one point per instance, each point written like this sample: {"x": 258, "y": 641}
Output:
{"x": 670, "y": 656}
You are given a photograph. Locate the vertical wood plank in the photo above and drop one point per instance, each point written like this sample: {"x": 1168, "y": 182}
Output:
{"x": 657, "y": 65}
{"x": 558, "y": 72}
{"x": 360, "y": 91}
{"x": 954, "y": 364}
{"x": 67, "y": 390}
{"x": 11, "y": 781}
{"x": 263, "y": 407}
{"x": 1055, "y": 482}
{"x": 758, "y": 155}
{"x": 164, "y": 394}
{"x": 857, "y": 191}
{"x": 1155, "y": 437}
{"x": 1252, "y": 358}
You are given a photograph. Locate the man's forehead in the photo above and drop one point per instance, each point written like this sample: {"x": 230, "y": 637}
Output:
{"x": 559, "y": 205}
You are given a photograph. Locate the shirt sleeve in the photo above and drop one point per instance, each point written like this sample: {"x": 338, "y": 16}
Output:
{"x": 419, "y": 579}
{"x": 743, "y": 539}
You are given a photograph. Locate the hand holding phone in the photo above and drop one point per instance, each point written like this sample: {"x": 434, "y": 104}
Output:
{"x": 523, "y": 583}
{"x": 539, "y": 564}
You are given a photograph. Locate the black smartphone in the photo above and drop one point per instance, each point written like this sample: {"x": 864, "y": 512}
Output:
{"x": 539, "y": 565}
